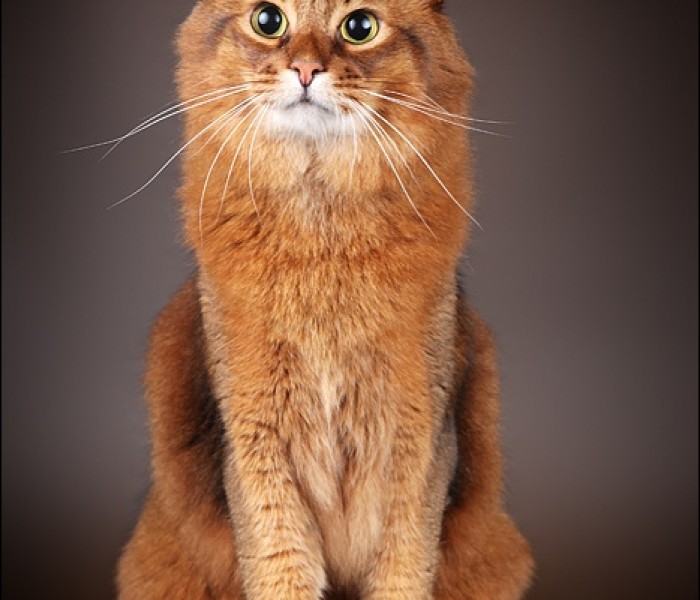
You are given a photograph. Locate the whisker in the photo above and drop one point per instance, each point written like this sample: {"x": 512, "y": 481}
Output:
{"x": 388, "y": 81}
{"x": 370, "y": 122}
{"x": 397, "y": 151}
{"x": 431, "y": 105}
{"x": 435, "y": 114}
{"x": 233, "y": 162}
{"x": 425, "y": 110}
{"x": 420, "y": 106}
{"x": 235, "y": 158}
{"x": 427, "y": 165}
{"x": 174, "y": 156}
{"x": 444, "y": 111}
{"x": 431, "y": 101}
{"x": 428, "y": 104}
{"x": 176, "y": 110}
{"x": 161, "y": 116}
{"x": 241, "y": 108}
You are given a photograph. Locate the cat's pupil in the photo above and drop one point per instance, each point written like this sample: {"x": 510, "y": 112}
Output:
{"x": 359, "y": 26}
{"x": 270, "y": 20}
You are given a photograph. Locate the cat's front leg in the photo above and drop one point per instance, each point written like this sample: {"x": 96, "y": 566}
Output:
{"x": 278, "y": 542}
{"x": 405, "y": 566}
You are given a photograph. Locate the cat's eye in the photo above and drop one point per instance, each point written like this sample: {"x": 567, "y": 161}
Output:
{"x": 269, "y": 21}
{"x": 359, "y": 27}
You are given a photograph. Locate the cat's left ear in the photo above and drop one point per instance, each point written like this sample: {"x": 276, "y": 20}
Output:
{"x": 437, "y": 5}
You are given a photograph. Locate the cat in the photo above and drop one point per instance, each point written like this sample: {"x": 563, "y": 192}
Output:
{"x": 323, "y": 400}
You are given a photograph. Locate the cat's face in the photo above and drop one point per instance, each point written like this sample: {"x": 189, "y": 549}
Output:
{"x": 317, "y": 69}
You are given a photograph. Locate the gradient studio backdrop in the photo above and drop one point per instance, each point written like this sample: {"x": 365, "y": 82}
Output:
{"x": 586, "y": 269}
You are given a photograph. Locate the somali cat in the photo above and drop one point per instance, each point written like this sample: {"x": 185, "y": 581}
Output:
{"x": 323, "y": 401}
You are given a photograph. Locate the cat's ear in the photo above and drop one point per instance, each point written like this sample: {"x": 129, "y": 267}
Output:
{"x": 437, "y": 5}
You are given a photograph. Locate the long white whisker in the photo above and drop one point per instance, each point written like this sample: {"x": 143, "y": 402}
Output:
{"x": 174, "y": 113}
{"x": 397, "y": 151}
{"x": 431, "y": 113}
{"x": 174, "y": 156}
{"x": 421, "y": 107}
{"x": 444, "y": 111}
{"x": 433, "y": 102}
{"x": 368, "y": 120}
{"x": 176, "y": 110}
{"x": 241, "y": 107}
{"x": 238, "y": 150}
{"x": 233, "y": 162}
{"x": 430, "y": 105}
{"x": 428, "y": 98}
{"x": 427, "y": 165}
{"x": 163, "y": 115}
{"x": 435, "y": 114}
{"x": 230, "y": 170}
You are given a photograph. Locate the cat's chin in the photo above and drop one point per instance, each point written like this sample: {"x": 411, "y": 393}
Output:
{"x": 308, "y": 120}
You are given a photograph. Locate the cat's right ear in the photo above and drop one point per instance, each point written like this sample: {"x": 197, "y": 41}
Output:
{"x": 437, "y": 5}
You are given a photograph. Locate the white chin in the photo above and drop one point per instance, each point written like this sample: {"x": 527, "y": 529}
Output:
{"x": 307, "y": 121}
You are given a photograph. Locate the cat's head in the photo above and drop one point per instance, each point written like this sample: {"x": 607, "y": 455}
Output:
{"x": 318, "y": 69}
{"x": 333, "y": 115}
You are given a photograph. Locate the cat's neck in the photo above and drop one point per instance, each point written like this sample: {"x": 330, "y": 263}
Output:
{"x": 308, "y": 198}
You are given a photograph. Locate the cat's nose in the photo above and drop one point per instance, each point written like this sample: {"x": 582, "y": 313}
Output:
{"x": 307, "y": 71}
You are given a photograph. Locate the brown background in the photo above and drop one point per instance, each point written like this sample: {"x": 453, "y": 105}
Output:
{"x": 587, "y": 270}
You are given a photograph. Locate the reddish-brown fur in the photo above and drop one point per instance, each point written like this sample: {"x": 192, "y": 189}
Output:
{"x": 324, "y": 405}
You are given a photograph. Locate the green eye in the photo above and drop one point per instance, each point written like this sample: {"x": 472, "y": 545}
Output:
{"x": 359, "y": 27}
{"x": 269, "y": 21}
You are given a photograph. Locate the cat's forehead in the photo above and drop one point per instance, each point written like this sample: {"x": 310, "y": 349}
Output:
{"x": 311, "y": 11}
{"x": 327, "y": 7}
{"x": 321, "y": 10}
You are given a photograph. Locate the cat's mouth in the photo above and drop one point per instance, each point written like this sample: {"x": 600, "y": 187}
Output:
{"x": 308, "y": 114}
{"x": 305, "y": 101}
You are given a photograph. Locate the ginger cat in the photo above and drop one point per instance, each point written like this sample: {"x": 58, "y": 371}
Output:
{"x": 323, "y": 401}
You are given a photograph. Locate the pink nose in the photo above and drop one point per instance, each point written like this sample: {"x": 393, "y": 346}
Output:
{"x": 307, "y": 71}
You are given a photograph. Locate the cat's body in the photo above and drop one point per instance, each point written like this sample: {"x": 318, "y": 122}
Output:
{"x": 323, "y": 403}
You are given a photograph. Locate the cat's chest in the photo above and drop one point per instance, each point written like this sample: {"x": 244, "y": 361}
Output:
{"x": 304, "y": 280}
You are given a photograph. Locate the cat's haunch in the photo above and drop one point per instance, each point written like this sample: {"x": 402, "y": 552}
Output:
{"x": 323, "y": 401}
